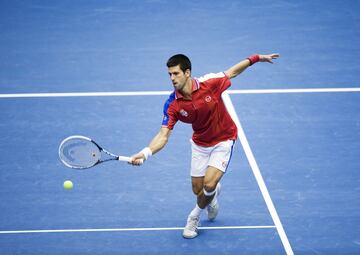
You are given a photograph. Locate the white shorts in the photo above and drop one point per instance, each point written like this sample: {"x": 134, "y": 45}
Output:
{"x": 217, "y": 156}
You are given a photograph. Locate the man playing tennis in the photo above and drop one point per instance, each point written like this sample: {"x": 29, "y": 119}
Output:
{"x": 198, "y": 102}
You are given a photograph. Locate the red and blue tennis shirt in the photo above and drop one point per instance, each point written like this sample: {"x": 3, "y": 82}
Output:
{"x": 206, "y": 111}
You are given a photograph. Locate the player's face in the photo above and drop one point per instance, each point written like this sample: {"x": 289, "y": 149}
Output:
{"x": 178, "y": 77}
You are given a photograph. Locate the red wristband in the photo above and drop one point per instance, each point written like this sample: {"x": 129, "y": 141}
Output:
{"x": 253, "y": 59}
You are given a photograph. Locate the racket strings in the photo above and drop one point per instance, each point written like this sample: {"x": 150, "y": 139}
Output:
{"x": 79, "y": 153}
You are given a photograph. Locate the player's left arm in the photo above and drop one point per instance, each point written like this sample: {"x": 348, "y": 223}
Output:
{"x": 242, "y": 65}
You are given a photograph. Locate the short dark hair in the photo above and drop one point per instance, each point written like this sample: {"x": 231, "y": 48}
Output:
{"x": 179, "y": 59}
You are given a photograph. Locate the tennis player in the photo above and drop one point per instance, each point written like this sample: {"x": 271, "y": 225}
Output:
{"x": 198, "y": 102}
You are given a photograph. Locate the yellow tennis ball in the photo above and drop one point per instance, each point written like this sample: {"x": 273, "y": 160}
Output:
{"x": 68, "y": 184}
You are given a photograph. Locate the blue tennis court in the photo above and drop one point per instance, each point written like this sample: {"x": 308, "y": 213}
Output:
{"x": 98, "y": 69}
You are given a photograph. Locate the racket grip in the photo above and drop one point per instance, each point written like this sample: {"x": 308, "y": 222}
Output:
{"x": 123, "y": 158}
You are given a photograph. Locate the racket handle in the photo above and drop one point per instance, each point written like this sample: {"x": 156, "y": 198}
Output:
{"x": 127, "y": 159}
{"x": 123, "y": 158}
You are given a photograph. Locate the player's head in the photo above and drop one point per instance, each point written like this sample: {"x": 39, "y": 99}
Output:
{"x": 181, "y": 60}
{"x": 179, "y": 68}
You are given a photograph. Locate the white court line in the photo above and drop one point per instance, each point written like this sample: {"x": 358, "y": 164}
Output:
{"x": 127, "y": 229}
{"x": 87, "y": 94}
{"x": 286, "y": 91}
{"x": 159, "y": 93}
{"x": 257, "y": 174}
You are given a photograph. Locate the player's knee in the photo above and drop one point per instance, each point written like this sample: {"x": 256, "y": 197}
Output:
{"x": 210, "y": 186}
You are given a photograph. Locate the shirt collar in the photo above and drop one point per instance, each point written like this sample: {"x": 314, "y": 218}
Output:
{"x": 195, "y": 86}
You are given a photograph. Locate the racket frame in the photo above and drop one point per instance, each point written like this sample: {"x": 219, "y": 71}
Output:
{"x": 112, "y": 156}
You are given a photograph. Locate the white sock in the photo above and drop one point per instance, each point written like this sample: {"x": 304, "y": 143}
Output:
{"x": 209, "y": 194}
{"x": 196, "y": 211}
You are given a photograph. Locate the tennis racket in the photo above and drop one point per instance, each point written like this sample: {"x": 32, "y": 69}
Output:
{"x": 80, "y": 152}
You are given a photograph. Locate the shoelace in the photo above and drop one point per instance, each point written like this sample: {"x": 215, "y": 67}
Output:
{"x": 193, "y": 223}
{"x": 211, "y": 208}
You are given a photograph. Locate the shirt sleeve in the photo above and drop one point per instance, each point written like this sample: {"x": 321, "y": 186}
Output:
{"x": 218, "y": 82}
{"x": 169, "y": 120}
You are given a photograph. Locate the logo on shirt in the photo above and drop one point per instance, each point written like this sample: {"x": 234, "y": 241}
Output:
{"x": 184, "y": 113}
{"x": 208, "y": 99}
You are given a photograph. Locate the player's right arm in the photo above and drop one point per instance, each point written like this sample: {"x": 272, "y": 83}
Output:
{"x": 156, "y": 144}
{"x": 160, "y": 140}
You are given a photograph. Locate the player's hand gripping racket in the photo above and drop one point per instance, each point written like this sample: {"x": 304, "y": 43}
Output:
{"x": 81, "y": 152}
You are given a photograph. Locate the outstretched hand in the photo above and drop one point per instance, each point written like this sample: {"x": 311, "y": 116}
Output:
{"x": 268, "y": 58}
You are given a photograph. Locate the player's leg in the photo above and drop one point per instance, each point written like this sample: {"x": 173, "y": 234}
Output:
{"x": 205, "y": 189}
{"x": 193, "y": 220}
{"x": 212, "y": 183}
{"x": 208, "y": 165}
{"x": 199, "y": 162}
{"x": 208, "y": 190}
{"x": 218, "y": 163}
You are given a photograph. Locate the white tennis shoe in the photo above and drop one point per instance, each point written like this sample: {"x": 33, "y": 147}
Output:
{"x": 213, "y": 207}
{"x": 191, "y": 228}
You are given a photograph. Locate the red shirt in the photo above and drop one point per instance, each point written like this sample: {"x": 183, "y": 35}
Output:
{"x": 205, "y": 111}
